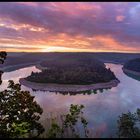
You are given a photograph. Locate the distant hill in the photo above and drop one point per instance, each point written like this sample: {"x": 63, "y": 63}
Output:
{"x": 24, "y": 58}
{"x": 133, "y": 65}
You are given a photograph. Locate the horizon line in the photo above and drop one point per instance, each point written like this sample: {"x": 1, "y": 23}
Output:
{"x": 74, "y": 52}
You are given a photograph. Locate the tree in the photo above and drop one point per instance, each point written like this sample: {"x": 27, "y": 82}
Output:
{"x": 19, "y": 113}
{"x": 3, "y": 55}
{"x": 69, "y": 121}
{"x": 2, "y": 58}
{"x": 129, "y": 125}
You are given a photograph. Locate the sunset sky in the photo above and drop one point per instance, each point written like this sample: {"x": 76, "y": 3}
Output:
{"x": 70, "y": 26}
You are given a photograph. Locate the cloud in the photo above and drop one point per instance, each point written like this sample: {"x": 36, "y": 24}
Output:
{"x": 68, "y": 24}
{"x": 120, "y": 18}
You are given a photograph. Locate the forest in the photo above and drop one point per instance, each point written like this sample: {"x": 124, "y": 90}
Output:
{"x": 133, "y": 65}
{"x": 80, "y": 71}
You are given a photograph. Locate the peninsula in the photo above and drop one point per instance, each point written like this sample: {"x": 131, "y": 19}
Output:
{"x": 71, "y": 74}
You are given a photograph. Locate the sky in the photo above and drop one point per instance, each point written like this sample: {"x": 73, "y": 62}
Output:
{"x": 70, "y": 26}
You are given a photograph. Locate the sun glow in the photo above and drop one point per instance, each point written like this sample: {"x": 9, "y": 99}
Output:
{"x": 52, "y": 27}
{"x": 62, "y": 49}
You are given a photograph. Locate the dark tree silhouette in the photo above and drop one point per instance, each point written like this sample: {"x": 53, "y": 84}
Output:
{"x": 129, "y": 125}
{"x": 3, "y": 55}
{"x": 18, "y": 108}
{"x": 69, "y": 121}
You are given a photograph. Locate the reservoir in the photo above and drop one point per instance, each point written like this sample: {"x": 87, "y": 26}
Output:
{"x": 101, "y": 110}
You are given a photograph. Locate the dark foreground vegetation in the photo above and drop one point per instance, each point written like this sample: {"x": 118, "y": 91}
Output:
{"x": 19, "y": 113}
{"x": 133, "y": 65}
{"x": 2, "y": 59}
{"x": 129, "y": 125}
{"x": 75, "y": 70}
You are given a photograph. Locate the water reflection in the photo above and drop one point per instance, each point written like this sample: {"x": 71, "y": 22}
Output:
{"x": 88, "y": 92}
{"x": 101, "y": 109}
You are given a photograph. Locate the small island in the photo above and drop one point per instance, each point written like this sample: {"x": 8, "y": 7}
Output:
{"x": 132, "y": 68}
{"x": 72, "y": 74}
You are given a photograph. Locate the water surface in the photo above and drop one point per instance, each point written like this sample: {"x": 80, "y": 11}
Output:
{"x": 101, "y": 109}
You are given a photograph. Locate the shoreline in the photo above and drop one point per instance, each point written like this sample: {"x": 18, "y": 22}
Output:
{"x": 18, "y": 66}
{"x": 38, "y": 66}
{"x": 67, "y": 88}
{"x": 113, "y": 62}
{"x": 130, "y": 72}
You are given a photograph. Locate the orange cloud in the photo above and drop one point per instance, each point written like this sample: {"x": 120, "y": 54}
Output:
{"x": 65, "y": 43}
{"x": 120, "y": 18}
{"x": 68, "y": 27}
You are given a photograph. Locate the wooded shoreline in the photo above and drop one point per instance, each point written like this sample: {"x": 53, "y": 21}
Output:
{"x": 130, "y": 72}
{"x": 67, "y": 88}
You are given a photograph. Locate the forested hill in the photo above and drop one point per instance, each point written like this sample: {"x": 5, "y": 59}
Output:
{"x": 73, "y": 70}
{"x": 133, "y": 65}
